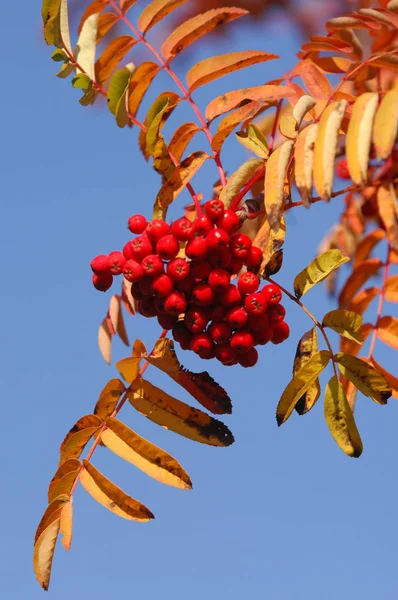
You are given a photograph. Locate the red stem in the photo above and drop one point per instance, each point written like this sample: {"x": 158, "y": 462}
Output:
{"x": 253, "y": 179}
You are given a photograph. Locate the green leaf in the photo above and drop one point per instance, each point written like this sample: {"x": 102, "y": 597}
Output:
{"x": 118, "y": 86}
{"x": 306, "y": 348}
{"x": 66, "y": 70}
{"x": 254, "y": 140}
{"x": 340, "y": 420}
{"x": 59, "y": 55}
{"x": 86, "y": 46}
{"x": 81, "y": 81}
{"x": 56, "y": 23}
{"x": 364, "y": 377}
{"x": 154, "y": 119}
{"x": 346, "y": 323}
{"x": 300, "y": 383}
{"x": 318, "y": 270}
{"x": 238, "y": 180}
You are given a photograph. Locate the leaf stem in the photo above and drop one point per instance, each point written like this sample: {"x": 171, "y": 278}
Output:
{"x": 381, "y": 302}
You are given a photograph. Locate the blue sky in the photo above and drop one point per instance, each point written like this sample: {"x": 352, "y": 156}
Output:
{"x": 282, "y": 514}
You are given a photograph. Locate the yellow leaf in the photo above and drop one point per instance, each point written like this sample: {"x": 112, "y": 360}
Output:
{"x": 304, "y": 162}
{"x": 162, "y": 162}
{"x": 135, "y": 449}
{"x": 216, "y": 66}
{"x": 69, "y": 466}
{"x": 364, "y": 377}
{"x": 254, "y": 141}
{"x": 231, "y": 100}
{"x": 86, "y": 46}
{"x": 56, "y": 24}
{"x": 140, "y": 81}
{"x": 367, "y": 244}
{"x": 301, "y": 382}
{"x": 155, "y": 12}
{"x": 306, "y": 348}
{"x": 346, "y": 323}
{"x": 325, "y": 147}
{"x": 109, "y": 398}
{"x": 66, "y": 524}
{"x": 352, "y": 347}
{"x": 391, "y": 289}
{"x": 129, "y": 368}
{"x": 303, "y": 105}
{"x": 112, "y": 497}
{"x": 387, "y": 331}
{"x": 44, "y": 553}
{"x": 385, "y": 128}
{"x": 177, "y": 416}
{"x": 231, "y": 121}
{"x": 238, "y": 179}
{"x": 139, "y": 349}
{"x": 274, "y": 184}
{"x": 111, "y": 57}
{"x": 76, "y": 439}
{"x": 391, "y": 380}
{"x": 340, "y": 420}
{"x": 200, "y": 385}
{"x": 359, "y": 136}
{"x": 181, "y": 138}
{"x": 314, "y": 79}
{"x": 356, "y": 280}
{"x": 361, "y": 301}
{"x": 387, "y": 205}
{"x": 318, "y": 270}
{"x": 193, "y": 29}
{"x": 116, "y": 317}
{"x": 157, "y": 116}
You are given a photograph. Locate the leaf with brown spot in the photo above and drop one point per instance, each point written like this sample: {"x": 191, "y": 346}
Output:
{"x": 271, "y": 244}
{"x": 391, "y": 380}
{"x": 109, "y": 398}
{"x": 306, "y": 348}
{"x": 274, "y": 185}
{"x": 65, "y": 484}
{"x": 318, "y": 270}
{"x": 231, "y": 100}
{"x": 387, "y": 331}
{"x": 140, "y": 81}
{"x": 361, "y": 301}
{"x": 155, "y": 12}
{"x": 387, "y": 205}
{"x": 177, "y": 416}
{"x": 254, "y": 140}
{"x": 112, "y": 497}
{"x": 152, "y": 460}
{"x": 391, "y": 289}
{"x": 156, "y": 118}
{"x": 353, "y": 347}
{"x": 364, "y": 377}
{"x": 116, "y": 317}
{"x": 367, "y": 244}
{"x": 181, "y": 138}
{"x": 77, "y": 437}
{"x": 68, "y": 466}
{"x": 314, "y": 79}
{"x": 231, "y": 121}
{"x": 111, "y": 57}
{"x": 346, "y": 323}
{"x": 200, "y": 385}
{"x": 360, "y": 275}
{"x": 196, "y": 27}
{"x": 66, "y": 524}
{"x": 139, "y": 349}
{"x": 340, "y": 420}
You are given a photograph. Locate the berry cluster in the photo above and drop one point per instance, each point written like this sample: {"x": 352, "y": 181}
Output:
{"x": 182, "y": 273}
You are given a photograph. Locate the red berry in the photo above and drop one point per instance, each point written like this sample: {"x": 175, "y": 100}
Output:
{"x": 133, "y": 271}
{"x": 196, "y": 249}
{"x": 220, "y": 332}
{"x": 195, "y": 319}
{"x": 201, "y": 269}
{"x": 254, "y": 257}
{"x": 217, "y": 239}
{"x": 342, "y": 169}
{"x": 220, "y": 258}
{"x": 100, "y": 264}
{"x": 272, "y": 293}
{"x": 249, "y": 359}
{"x": 281, "y": 333}
{"x": 201, "y": 343}
{"x": 248, "y": 283}
{"x": 157, "y": 229}
{"x": 276, "y": 313}
{"x": 167, "y": 247}
{"x": 117, "y": 262}
{"x": 152, "y": 265}
{"x": 178, "y": 269}
{"x": 139, "y": 248}
{"x": 219, "y": 279}
{"x": 237, "y": 317}
{"x": 103, "y": 282}
{"x": 240, "y": 245}
{"x": 180, "y": 333}
{"x": 214, "y": 209}
{"x": 167, "y": 321}
{"x": 176, "y": 303}
{"x": 203, "y": 294}
{"x": 203, "y": 225}
{"x": 217, "y": 313}
{"x": 137, "y": 224}
{"x": 242, "y": 341}
{"x": 230, "y": 296}
{"x": 145, "y": 286}
{"x": 146, "y": 308}
{"x": 263, "y": 336}
{"x": 136, "y": 291}
{"x": 162, "y": 285}
{"x": 183, "y": 230}
{"x": 127, "y": 253}
{"x": 229, "y": 221}
{"x": 235, "y": 265}
{"x": 185, "y": 285}
{"x": 255, "y": 304}
{"x": 225, "y": 354}
{"x": 258, "y": 322}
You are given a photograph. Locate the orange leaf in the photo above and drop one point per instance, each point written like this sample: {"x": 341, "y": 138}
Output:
{"x": 391, "y": 380}
{"x": 353, "y": 348}
{"x": 125, "y": 5}
{"x": 180, "y": 140}
{"x": 66, "y": 524}
{"x": 191, "y": 30}
{"x": 111, "y": 57}
{"x": 332, "y": 64}
{"x": 361, "y": 301}
{"x": 105, "y": 24}
{"x": 77, "y": 437}
{"x": 358, "y": 277}
{"x": 391, "y": 289}
{"x": 155, "y": 12}
{"x": 109, "y": 398}
{"x": 367, "y": 244}
{"x": 228, "y": 123}
{"x": 51, "y": 513}
{"x": 66, "y": 467}
{"x": 65, "y": 484}
{"x": 314, "y": 79}
{"x": 327, "y": 44}
{"x": 95, "y": 7}
{"x": 44, "y": 553}
{"x": 387, "y": 331}
{"x": 387, "y": 205}
{"x": 140, "y": 81}
{"x": 116, "y": 317}
{"x": 230, "y": 100}
{"x": 216, "y": 66}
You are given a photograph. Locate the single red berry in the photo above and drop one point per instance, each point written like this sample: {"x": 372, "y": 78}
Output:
{"x": 145, "y": 286}
{"x": 237, "y": 317}
{"x": 202, "y": 344}
{"x": 201, "y": 269}
{"x": 167, "y": 321}
{"x": 255, "y": 304}
{"x": 249, "y": 359}
{"x": 152, "y": 265}
{"x": 216, "y": 313}
{"x": 185, "y": 285}
{"x": 180, "y": 333}
{"x": 117, "y": 262}
{"x": 248, "y": 283}
{"x": 178, "y": 269}
{"x": 272, "y": 293}
{"x": 240, "y": 245}
{"x": 100, "y": 264}
{"x": 146, "y": 308}
{"x": 203, "y": 225}
{"x": 176, "y": 303}
{"x": 230, "y": 296}
{"x": 203, "y": 294}
{"x": 229, "y": 221}
{"x": 103, "y": 282}
{"x": 220, "y": 332}
{"x": 167, "y": 247}
{"x": 242, "y": 341}
{"x": 140, "y": 247}
{"x": 342, "y": 169}
{"x": 276, "y": 313}
{"x": 195, "y": 319}
{"x": 127, "y": 253}
{"x": 220, "y": 258}
{"x": 196, "y": 249}
{"x": 214, "y": 209}
{"x": 225, "y": 354}
{"x": 219, "y": 279}
{"x": 235, "y": 265}
{"x": 281, "y": 333}
{"x": 217, "y": 239}
{"x": 254, "y": 257}
{"x": 133, "y": 271}
{"x": 157, "y": 229}
{"x": 162, "y": 285}
{"x": 263, "y": 336}
{"x": 137, "y": 224}
{"x": 183, "y": 230}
